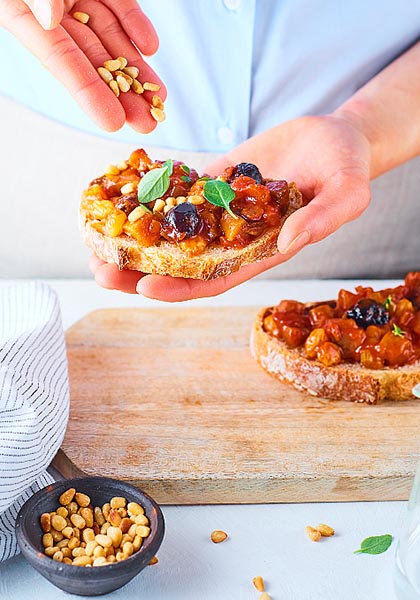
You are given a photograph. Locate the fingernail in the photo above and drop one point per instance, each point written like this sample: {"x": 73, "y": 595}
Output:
{"x": 296, "y": 244}
{"x": 43, "y": 13}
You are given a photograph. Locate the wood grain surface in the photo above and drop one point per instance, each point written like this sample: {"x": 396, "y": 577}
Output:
{"x": 172, "y": 401}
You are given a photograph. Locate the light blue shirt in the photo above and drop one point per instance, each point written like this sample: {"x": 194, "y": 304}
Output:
{"x": 234, "y": 68}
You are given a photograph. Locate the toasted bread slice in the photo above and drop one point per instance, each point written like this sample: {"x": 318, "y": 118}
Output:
{"x": 166, "y": 258}
{"x": 346, "y": 381}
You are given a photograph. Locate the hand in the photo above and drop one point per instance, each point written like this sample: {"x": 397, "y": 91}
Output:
{"x": 328, "y": 158}
{"x": 72, "y": 52}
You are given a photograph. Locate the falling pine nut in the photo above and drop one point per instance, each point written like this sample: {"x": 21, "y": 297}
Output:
{"x": 82, "y": 17}
{"x": 157, "y": 114}
{"x": 151, "y": 87}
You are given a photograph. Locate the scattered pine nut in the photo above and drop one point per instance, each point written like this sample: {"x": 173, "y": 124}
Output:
{"x": 137, "y": 87}
{"x": 265, "y": 596}
{"x": 67, "y": 496}
{"x": 258, "y": 583}
{"x": 81, "y": 16}
{"x": 218, "y": 536}
{"x": 325, "y": 530}
{"x": 137, "y": 214}
{"x": 157, "y": 102}
{"x": 313, "y": 534}
{"x": 151, "y": 87}
{"x": 157, "y": 114}
{"x": 114, "y": 87}
{"x": 195, "y": 199}
{"x": 105, "y": 74}
{"x": 128, "y": 188}
{"x": 154, "y": 560}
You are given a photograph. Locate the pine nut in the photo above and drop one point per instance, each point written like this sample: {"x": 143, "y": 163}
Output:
{"x": 125, "y": 524}
{"x": 153, "y": 561}
{"x": 181, "y": 199}
{"x": 195, "y": 199}
{"x": 123, "y": 62}
{"x": 46, "y": 522}
{"x": 63, "y": 544}
{"x": 82, "y": 17}
{"x": 105, "y": 74}
{"x": 78, "y": 521}
{"x": 131, "y": 71}
{"x": 66, "y": 552}
{"x": 115, "y": 534}
{"x": 157, "y": 102}
{"x": 82, "y": 499}
{"x": 47, "y": 540}
{"x": 265, "y": 596}
{"x": 151, "y": 87}
{"x": 143, "y": 531}
{"x": 67, "y": 561}
{"x": 58, "y": 522}
{"x": 111, "y": 558}
{"x": 57, "y": 535}
{"x": 62, "y": 512}
{"x": 105, "y": 509}
{"x": 73, "y": 543}
{"x": 82, "y": 561}
{"x": 100, "y": 561}
{"x": 126, "y": 77}
{"x": 128, "y": 548}
{"x": 218, "y": 536}
{"x": 68, "y": 532}
{"x": 112, "y": 65}
{"x": 135, "y": 215}
{"x": 325, "y": 530}
{"x": 137, "y": 87}
{"x": 88, "y": 535}
{"x": 105, "y": 528}
{"x": 90, "y": 547}
{"x": 118, "y": 502}
{"x": 123, "y": 83}
{"x": 99, "y": 518}
{"x": 103, "y": 540}
{"x": 140, "y": 520}
{"x": 258, "y": 583}
{"x": 122, "y": 166}
{"x": 51, "y": 550}
{"x": 99, "y": 551}
{"x": 78, "y": 552}
{"x": 313, "y": 534}
{"x": 114, "y": 87}
{"x": 137, "y": 542}
{"x": 58, "y": 556}
{"x": 158, "y": 207}
{"x": 72, "y": 508}
{"x": 127, "y": 188}
{"x": 158, "y": 114}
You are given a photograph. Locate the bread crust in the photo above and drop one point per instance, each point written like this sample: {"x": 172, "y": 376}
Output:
{"x": 346, "y": 381}
{"x": 166, "y": 258}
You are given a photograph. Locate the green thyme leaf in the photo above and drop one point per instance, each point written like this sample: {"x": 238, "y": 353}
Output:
{"x": 169, "y": 164}
{"x": 219, "y": 193}
{"x": 186, "y": 169}
{"x": 388, "y": 303}
{"x": 376, "y": 544}
{"x": 186, "y": 178}
{"x": 153, "y": 185}
{"x": 397, "y": 331}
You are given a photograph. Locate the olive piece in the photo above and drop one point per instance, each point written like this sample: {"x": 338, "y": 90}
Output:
{"x": 368, "y": 312}
{"x": 249, "y": 170}
{"x": 127, "y": 203}
{"x": 181, "y": 222}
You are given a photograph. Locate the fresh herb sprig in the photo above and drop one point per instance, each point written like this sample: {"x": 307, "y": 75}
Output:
{"x": 376, "y": 544}
{"x": 397, "y": 331}
{"x": 155, "y": 183}
{"x": 219, "y": 193}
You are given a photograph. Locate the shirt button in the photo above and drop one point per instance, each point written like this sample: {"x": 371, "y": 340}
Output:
{"x": 232, "y": 4}
{"x": 226, "y": 135}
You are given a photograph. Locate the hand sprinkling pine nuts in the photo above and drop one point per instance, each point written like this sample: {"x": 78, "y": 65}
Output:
{"x": 81, "y": 535}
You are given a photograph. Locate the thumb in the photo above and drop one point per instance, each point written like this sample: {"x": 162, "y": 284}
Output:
{"x": 48, "y": 13}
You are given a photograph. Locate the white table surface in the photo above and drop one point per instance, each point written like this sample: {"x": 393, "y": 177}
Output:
{"x": 266, "y": 540}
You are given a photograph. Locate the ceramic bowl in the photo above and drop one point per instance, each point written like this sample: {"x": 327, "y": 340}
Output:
{"x": 86, "y": 581}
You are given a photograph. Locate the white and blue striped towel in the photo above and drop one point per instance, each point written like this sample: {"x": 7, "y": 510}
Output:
{"x": 34, "y": 397}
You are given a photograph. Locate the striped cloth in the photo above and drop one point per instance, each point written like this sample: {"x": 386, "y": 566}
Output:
{"x": 34, "y": 397}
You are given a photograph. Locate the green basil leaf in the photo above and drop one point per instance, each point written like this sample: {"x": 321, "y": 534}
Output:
{"x": 376, "y": 544}
{"x": 219, "y": 193}
{"x": 169, "y": 164}
{"x": 153, "y": 185}
{"x": 397, "y": 331}
{"x": 204, "y": 178}
{"x": 186, "y": 178}
{"x": 186, "y": 169}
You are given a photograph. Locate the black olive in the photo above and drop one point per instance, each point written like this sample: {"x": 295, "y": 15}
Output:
{"x": 368, "y": 312}
{"x": 249, "y": 170}
{"x": 181, "y": 222}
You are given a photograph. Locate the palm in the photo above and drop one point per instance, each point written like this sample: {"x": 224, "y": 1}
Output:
{"x": 328, "y": 159}
{"x": 73, "y": 52}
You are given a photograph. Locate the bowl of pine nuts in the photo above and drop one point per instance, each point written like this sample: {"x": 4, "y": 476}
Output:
{"x": 90, "y": 536}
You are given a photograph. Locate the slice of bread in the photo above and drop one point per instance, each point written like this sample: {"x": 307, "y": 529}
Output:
{"x": 166, "y": 258}
{"x": 346, "y": 381}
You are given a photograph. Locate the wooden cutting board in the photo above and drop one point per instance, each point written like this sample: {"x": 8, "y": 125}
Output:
{"x": 171, "y": 400}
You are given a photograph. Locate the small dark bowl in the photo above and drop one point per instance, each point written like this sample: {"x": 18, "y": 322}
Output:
{"x": 81, "y": 580}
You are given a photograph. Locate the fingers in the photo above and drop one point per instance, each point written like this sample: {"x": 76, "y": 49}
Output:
{"x": 103, "y": 27}
{"x": 137, "y": 26}
{"x": 172, "y": 289}
{"x": 48, "y": 13}
{"x": 342, "y": 199}
{"x": 67, "y": 62}
{"x": 110, "y": 277}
